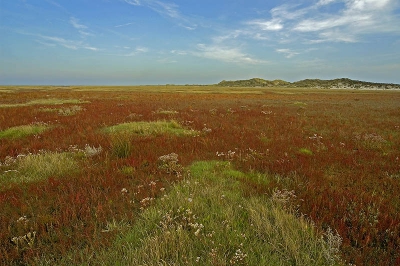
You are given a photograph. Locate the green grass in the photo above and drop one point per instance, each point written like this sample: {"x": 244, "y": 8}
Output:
{"x": 205, "y": 220}
{"x": 48, "y": 110}
{"x": 36, "y": 167}
{"x": 305, "y": 151}
{"x": 122, "y": 134}
{"x": 300, "y": 104}
{"x": 150, "y": 128}
{"x": 23, "y": 131}
{"x": 52, "y": 101}
{"x": 121, "y": 145}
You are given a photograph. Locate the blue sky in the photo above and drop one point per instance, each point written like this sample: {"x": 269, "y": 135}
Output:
{"x": 133, "y": 42}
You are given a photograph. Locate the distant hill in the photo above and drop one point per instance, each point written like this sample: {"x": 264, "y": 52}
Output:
{"x": 255, "y": 82}
{"x": 342, "y": 83}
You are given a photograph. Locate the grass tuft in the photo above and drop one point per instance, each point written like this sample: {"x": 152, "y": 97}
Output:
{"x": 36, "y": 167}
{"x": 23, "y": 131}
{"x": 305, "y": 151}
{"x": 151, "y": 128}
{"x": 121, "y": 145}
{"x": 52, "y": 101}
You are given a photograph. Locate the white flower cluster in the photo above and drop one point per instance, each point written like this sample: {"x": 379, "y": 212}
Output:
{"x": 181, "y": 219}
{"x": 88, "y": 151}
{"x": 26, "y": 240}
{"x": 333, "y": 242}
{"x": 229, "y": 155}
{"x": 21, "y": 241}
{"x": 238, "y": 257}
{"x": 169, "y": 163}
{"x": 283, "y": 197}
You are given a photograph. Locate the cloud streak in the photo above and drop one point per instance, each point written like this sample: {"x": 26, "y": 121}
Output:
{"x": 82, "y": 29}
{"x": 75, "y": 22}
{"x": 124, "y": 25}
{"x": 267, "y": 25}
{"x": 225, "y": 54}
{"x": 138, "y": 50}
{"x": 323, "y": 21}
{"x": 133, "y": 2}
{"x": 287, "y": 52}
{"x": 354, "y": 19}
{"x": 170, "y": 10}
{"x": 70, "y": 44}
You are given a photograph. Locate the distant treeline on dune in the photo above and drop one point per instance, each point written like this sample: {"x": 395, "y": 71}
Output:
{"x": 342, "y": 83}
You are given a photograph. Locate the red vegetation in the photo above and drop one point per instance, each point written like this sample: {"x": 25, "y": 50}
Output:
{"x": 349, "y": 182}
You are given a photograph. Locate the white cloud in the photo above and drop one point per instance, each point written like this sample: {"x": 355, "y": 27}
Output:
{"x": 288, "y": 12}
{"x": 85, "y": 33}
{"x": 325, "y": 2}
{"x": 287, "y": 52}
{"x": 364, "y": 5}
{"x": 353, "y": 19}
{"x": 337, "y": 36}
{"x": 177, "y": 52}
{"x": 170, "y": 10}
{"x": 91, "y": 48}
{"x": 225, "y": 54}
{"x": 75, "y": 23}
{"x": 70, "y": 44}
{"x": 82, "y": 29}
{"x": 63, "y": 42}
{"x": 323, "y": 21}
{"x": 355, "y": 14}
{"x": 268, "y": 25}
{"x": 229, "y": 35}
{"x": 166, "y": 61}
{"x": 308, "y": 25}
{"x": 45, "y": 43}
{"x": 123, "y": 25}
{"x": 56, "y": 4}
{"x": 133, "y": 2}
{"x": 141, "y": 49}
{"x": 138, "y": 50}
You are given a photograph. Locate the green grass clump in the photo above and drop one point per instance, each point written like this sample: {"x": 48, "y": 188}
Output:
{"x": 52, "y": 101}
{"x": 205, "y": 220}
{"x": 127, "y": 170}
{"x": 23, "y": 131}
{"x": 36, "y": 167}
{"x": 48, "y": 110}
{"x": 151, "y": 128}
{"x": 305, "y": 151}
{"x": 300, "y": 104}
{"x": 121, "y": 145}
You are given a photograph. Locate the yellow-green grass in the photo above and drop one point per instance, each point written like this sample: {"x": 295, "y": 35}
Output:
{"x": 305, "y": 151}
{"x": 147, "y": 128}
{"x": 65, "y": 111}
{"x": 23, "y": 131}
{"x": 206, "y": 220}
{"x": 191, "y": 89}
{"x": 36, "y": 167}
{"x": 51, "y": 101}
